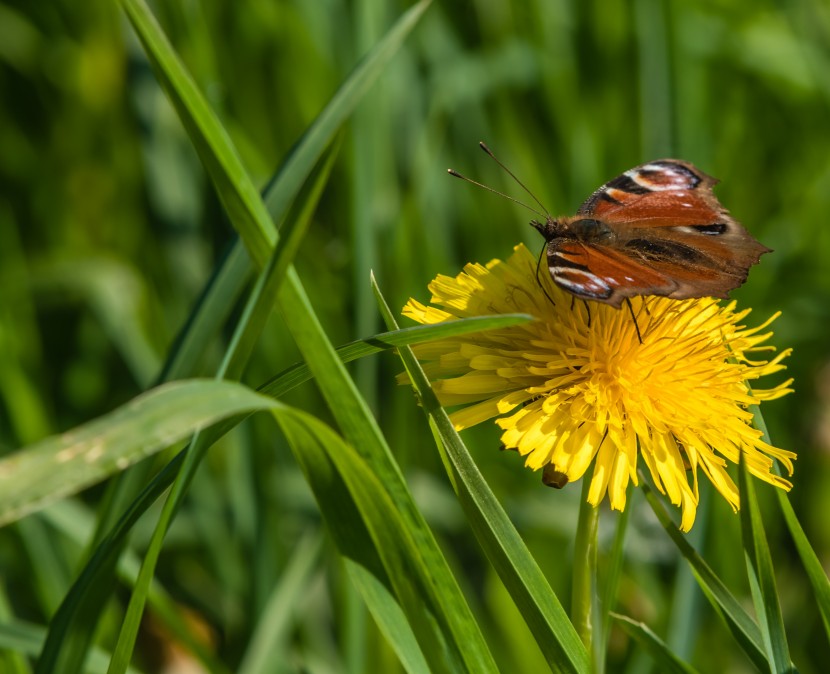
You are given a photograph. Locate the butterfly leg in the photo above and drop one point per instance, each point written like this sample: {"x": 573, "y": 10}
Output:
{"x": 588, "y": 309}
{"x": 634, "y": 318}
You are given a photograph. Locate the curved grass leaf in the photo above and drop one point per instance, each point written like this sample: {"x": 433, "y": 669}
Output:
{"x": 234, "y": 188}
{"x": 374, "y": 536}
{"x": 665, "y": 660}
{"x": 809, "y": 559}
{"x": 455, "y": 628}
{"x": 243, "y": 205}
{"x": 248, "y": 329}
{"x": 62, "y": 465}
{"x": 762, "y": 576}
{"x": 299, "y": 373}
{"x": 385, "y": 616}
{"x": 454, "y": 624}
{"x": 267, "y": 645}
{"x": 743, "y": 627}
{"x": 496, "y": 534}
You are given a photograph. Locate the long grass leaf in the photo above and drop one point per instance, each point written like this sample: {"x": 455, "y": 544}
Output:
{"x": 740, "y": 624}
{"x": 244, "y": 208}
{"x": 762, "y": 577}
{"x": 495, "y": 532}
{"x": 662, "y": 655}
{"x": 234, "y": 188}
{"x": 58, "y": 466}
{"x": 454, "y": 622}
{"x": 373, "y": 536}
{"x": 342, "y": 104}
{"x": 248, "y": 329}
{"x": 809, "y": 559}
{"x": 384, "y": 341}
{"x": 464, "y": 645}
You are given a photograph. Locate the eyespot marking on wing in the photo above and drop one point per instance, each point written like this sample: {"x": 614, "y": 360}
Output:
{"x": 660, "y": 176}
{"x": 581, "y": 282}
{"x": 715, "y": 229}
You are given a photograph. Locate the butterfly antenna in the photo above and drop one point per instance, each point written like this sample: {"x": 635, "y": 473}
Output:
{"x": 484, "y": 147}
{"x": 456, "y": 174}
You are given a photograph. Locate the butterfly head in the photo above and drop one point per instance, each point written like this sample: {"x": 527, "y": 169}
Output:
{"x": 575, "y": 228}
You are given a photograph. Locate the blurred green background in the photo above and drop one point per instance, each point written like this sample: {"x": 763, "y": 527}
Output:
{"x": 109, "y": 230}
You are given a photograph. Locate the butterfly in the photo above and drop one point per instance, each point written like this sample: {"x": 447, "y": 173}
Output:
{"x": 657, "y": 229}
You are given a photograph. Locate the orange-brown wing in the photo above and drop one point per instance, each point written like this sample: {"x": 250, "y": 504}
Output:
{"x": 665, "y": 216}
{"x": 656, "y": 185}
{"x": 601, "y": 273}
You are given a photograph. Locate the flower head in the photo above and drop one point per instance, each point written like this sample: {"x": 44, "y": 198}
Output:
{"x": 578, "y": 386}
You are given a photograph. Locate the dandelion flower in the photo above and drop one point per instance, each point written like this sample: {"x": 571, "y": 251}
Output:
{"x": 577, "y": 386}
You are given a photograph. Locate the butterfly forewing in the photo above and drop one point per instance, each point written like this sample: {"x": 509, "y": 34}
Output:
{"x": 657, "y": 229}
{"x": 602, "y": 273}
{"x": 656, "y": 177}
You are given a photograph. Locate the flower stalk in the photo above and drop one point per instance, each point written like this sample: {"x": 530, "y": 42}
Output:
{"x": 584, "y": 585}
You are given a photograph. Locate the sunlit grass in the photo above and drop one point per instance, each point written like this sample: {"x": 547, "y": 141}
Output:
{"x": 111, "y": 226}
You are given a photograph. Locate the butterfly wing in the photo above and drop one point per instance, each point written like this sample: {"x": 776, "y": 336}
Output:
{"x": 670, "y": 236}
{"x": 600, "y": 273}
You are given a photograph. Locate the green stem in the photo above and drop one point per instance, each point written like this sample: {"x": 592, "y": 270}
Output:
{"x": 585, "y": 571}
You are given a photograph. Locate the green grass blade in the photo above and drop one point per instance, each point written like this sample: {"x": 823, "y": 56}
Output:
{"x": 299, "y": 373}
{"x": 27, "y": 639}
{"x": 612, "y": 581}
{"x": 355, "y": 418}
{"x": 264, "y": 296}
{"x": 89, "y": 578}
{"x": 172, "y": 412}
{"x": 743, "y": 627}
{"x": 62, "y": 465}
{"x": 68, "y": 635}
{"x": 662, "y": 655}
{"x": 225, "y": 287}
{"x": 453, "y": 621}
{"x": 374, "y": 535}
{"x": 342, "y": 104}
{"x": 496, "y": 534}
{"x": 762, "y": 577}
{"x": 209, "y": 313}
{"x": 376, "y": 592}
{"x": 266, "y": 648}
{"x": 237, "y": 194}
{"x": 240, "y": 199}
{"x": 249, "y": 327}
{"x": 75, "y": 521}
{"x": 234, "y": 188}
{"x": 809, "y": 558}
{"x": 456, "y": 624}
{"x": 151, "y": 422}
